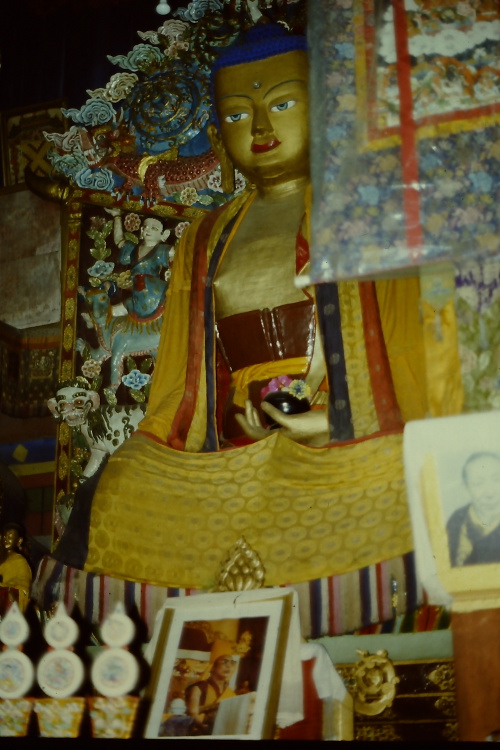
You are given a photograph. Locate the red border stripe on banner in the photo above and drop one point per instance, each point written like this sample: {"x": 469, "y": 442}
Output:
{"x": 411, "y": 196}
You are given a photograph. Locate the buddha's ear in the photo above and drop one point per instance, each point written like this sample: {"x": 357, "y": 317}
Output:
{"x": 226, "y": 165}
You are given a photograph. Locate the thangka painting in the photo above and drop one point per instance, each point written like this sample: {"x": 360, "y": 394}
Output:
{"x": 406, "y": 133}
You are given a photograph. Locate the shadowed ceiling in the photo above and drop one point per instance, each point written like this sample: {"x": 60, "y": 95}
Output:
{"x": 54, "y": 49}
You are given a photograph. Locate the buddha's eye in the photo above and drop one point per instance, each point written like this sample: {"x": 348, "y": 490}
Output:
{"x": 283, "y": 105}
{"x": 236, "y": 117}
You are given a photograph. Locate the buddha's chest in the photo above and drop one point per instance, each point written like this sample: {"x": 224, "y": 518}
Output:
{"x": 258, "y": 267}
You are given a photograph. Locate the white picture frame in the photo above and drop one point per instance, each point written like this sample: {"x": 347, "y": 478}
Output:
{"x": 251, "y": 713}
{"x": 437, "y": 453}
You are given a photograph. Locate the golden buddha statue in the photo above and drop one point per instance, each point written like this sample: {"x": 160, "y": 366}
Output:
{"x": 15, "y": 572}
{"x": 324, "y": 493}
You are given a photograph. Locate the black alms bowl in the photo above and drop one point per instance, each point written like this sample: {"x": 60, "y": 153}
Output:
{"x": 287, "y": 403}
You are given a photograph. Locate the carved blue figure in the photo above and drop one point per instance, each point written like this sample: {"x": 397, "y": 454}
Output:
{"x": 118, "y": 337}
{"x": 148, "y": 259}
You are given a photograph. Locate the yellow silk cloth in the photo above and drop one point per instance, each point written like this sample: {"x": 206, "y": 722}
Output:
{"x": 403, "y": 332}
{"x": 167, "y": 392}
{"x": 399, "y": 305}
{"x": 241, "y": 379}
{"x": 308, "y": 512}
{"x": 445, "y": 394}
{"x": 170, "y": 517}
{"x": 16, "y": 573}
{"x": 444, "y": 388}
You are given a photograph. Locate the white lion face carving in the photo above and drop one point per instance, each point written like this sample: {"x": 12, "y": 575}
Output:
{"x": 73, "y": 403}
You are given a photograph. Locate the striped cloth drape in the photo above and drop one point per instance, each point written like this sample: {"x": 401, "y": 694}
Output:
{"x": 328, "y": 606}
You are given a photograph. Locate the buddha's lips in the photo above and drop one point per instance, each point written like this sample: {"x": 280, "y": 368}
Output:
{"x": 260, "y": 148}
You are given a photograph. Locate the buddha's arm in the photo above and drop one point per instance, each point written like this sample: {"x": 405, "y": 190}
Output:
{"x": 309, "y": 428}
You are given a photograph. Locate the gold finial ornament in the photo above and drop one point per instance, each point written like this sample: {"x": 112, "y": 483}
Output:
{"x": 242, "y": 569}
{"x": 375, "y": 683}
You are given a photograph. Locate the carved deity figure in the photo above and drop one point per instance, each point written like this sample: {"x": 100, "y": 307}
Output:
{"x": 324, "y": 492}
{"x": 147, "y": 259}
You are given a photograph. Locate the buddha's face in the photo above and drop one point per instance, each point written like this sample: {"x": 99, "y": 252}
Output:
{"x": 263, "y": 114}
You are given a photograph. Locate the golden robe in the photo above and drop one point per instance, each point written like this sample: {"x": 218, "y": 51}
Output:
{"x": 16, "y": 573}
{"x": 170, "y": 505}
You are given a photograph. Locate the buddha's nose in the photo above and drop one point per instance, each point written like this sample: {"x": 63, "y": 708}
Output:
{"x": 261, "y": 124}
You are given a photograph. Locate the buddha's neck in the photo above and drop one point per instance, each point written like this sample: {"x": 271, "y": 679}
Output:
{"x": 269, "y": 191}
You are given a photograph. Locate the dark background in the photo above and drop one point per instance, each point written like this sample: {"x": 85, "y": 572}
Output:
{"x": 56, "y": 49}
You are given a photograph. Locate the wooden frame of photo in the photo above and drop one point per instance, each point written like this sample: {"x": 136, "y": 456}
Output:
{"x": 247, "y": 713}
{"x": 439, "y": 450}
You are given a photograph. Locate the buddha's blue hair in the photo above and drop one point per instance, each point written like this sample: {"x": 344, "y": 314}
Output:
{"x": 258, "y": 43}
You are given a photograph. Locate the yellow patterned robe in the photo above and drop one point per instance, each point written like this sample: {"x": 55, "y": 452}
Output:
{"x": 16, "y": 573}
{"x": 169, "y": 516}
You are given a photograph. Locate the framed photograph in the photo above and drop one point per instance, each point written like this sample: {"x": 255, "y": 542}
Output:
{"x": 457, "y": 462}
{"x": 217, "y": 666}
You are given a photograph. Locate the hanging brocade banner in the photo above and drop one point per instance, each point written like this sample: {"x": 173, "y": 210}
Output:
{"x": 405, "y": 119}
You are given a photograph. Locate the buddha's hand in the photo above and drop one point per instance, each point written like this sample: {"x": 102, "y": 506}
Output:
{"x": 310, "y": 427}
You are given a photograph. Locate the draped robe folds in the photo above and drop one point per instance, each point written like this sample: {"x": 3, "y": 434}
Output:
{"x": 171, "y": 502}
{"x": 15, "y": 573}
